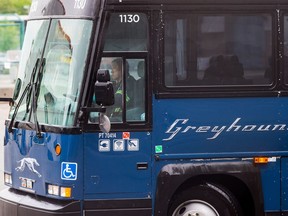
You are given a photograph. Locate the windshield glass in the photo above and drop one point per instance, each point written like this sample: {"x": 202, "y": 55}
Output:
{"x": 54, "y": 68}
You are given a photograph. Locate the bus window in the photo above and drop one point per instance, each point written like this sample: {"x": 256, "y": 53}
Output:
{"x": 137, "y": 69}
{"x": 60, "y": 75}
{"x": 134, "y": 105}
{"x": 286, "y": 49}
{"x": 127, "y": 32}
{"x": 218, "y": 50}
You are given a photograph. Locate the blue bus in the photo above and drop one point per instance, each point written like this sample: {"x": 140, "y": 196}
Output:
{"x": 150, "y": 107}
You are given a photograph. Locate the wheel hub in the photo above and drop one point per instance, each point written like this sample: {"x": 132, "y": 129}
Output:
{"x": 195, "y": 208}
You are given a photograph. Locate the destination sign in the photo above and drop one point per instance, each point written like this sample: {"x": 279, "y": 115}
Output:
{"x": 64, "y": 8}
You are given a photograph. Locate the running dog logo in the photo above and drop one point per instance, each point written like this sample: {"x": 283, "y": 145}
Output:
{"x": 29, "y": 162}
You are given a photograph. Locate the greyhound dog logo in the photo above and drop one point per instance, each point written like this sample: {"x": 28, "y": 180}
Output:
{"x": 29, "y": 162}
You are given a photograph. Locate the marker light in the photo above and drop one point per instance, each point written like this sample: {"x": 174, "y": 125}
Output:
{"x": 27, "y": 183}
{"x": 53, "y": 190}
{"x": 58, "y": 149}
{"x": 56, "y": 190}
{"x": 261, "y": 160}
{"x": 7, "y": 178}
{"x": 66, "y": 192}
{"x": 23, "y": 183}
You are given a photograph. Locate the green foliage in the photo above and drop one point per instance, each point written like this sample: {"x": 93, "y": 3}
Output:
{"x": 14, "y": 6}
{"x": 10, "y": 31}
{"x": 10, "y": 38}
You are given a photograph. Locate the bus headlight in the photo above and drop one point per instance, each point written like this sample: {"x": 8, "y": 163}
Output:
{"x": 56, "y": 190}
{"x": 7, "y": 179}
{"x": 53, "y": 190}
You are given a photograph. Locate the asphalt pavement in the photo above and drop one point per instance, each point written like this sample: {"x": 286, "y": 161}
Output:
{"x": 4, "y": 109}
{"x": 6, "y": 91}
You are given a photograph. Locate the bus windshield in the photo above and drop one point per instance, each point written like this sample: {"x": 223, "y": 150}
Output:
{"x": 51, "y": 70}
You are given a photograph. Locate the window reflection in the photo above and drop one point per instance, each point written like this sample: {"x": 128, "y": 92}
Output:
{"x": 62, "y": 56}
{"x": 127, "y": 36}
{"x": 221, "y": 50}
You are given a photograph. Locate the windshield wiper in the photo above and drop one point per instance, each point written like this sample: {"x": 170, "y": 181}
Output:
{"x": 35, "y": 94}
{"x": 27, "y": 88}
{"x": 33, "y": 89}
{"x": 30, "y": 85}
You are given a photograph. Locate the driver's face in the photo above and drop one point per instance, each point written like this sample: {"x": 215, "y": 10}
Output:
{"x": 116, "y": 74}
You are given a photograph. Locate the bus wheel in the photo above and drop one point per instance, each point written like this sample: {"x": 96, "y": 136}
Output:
{"x": 205, "y": 200}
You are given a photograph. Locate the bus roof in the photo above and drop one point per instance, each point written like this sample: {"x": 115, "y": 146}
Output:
{"x": 47, "y": 8}
{"x": 90, "y": 8}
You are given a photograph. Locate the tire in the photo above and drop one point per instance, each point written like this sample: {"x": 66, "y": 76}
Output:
{"x": 205, "y": 200}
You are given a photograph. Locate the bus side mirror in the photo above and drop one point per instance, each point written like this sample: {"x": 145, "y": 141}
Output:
{"x": 103, "y": 90}
{"x": 15, "y": 94}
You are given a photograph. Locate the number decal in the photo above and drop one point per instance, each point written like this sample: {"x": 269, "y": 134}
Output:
{"x": 129, "y": 18}
{"x": 79, "y": 4}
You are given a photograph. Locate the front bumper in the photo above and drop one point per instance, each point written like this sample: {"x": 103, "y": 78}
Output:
{"x": 16, "y": 203}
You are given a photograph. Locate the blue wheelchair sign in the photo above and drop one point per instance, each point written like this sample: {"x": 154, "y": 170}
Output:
{"x": 68, "y": 171}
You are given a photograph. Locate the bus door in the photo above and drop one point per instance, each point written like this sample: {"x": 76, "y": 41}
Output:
{"x": 119, "y": 162}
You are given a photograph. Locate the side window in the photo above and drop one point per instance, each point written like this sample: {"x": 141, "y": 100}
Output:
{"x": 127, "y": 32}
{"x": 218, "y": 50}
{"x": 286, "y": 48}
{"x": 124, "y": 55}
{"x": 137, "y": 89}
{"x": 128, "y": 78}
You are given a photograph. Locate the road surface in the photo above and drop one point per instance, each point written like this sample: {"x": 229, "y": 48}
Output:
{"x": 6, "y": 91}
{"x": 4, "y": 109}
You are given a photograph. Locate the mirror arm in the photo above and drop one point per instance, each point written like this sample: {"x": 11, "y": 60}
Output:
{"x": 85, "y": 111}
{"x": 9, "y": 100}
{"x": 6, "y": 99}
{"x": 93, "y": 109}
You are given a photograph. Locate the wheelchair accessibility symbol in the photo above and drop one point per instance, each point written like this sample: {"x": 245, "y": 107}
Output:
{"x": 68, "y": 171}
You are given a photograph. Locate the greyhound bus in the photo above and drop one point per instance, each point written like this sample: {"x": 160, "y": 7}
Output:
{"x": 150, "y": 107}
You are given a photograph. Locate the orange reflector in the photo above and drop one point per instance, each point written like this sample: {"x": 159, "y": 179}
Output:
{"x": 58, "y": 149}
{"x": 261, "y": 160}
{"x": 66, "y": 192}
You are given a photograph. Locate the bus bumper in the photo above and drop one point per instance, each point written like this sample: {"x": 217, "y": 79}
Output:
{"x": 17, "y": 203}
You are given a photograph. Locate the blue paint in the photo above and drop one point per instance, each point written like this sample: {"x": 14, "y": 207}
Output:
{"x": 114, "y": 173}
{"x": 49, "y": 163}
{"x": 222, "y": 125}
{"x": 203, "y": 129}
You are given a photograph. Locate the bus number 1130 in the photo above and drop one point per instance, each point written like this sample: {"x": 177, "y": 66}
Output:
{"x": 129, "y": 18}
